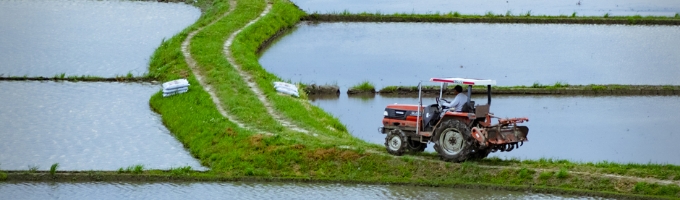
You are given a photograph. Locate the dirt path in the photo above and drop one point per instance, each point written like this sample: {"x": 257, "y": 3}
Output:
{"x": 197, "y": 73}
{"x": 249, "y": 80}
{"x": 191, "y": 62}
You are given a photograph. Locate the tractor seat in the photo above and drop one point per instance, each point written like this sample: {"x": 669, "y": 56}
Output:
{"x": 468, "y": 107}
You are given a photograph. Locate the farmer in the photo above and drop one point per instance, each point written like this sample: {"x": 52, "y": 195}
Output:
{"x": 457, "y": 104}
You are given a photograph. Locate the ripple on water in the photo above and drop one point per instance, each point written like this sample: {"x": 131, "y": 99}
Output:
{"x": 253, "y": 191}
{"x": 84, "y": 126}
{"x": 388, "y": 54}
{"x": 84, "y": 37}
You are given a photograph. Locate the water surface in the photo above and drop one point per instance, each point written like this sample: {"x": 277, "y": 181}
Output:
{"x": 84, "y": 126}
{"x": 639, "y": 129}
{"x": 98, "y": 190}
{"x": 516, "y": 7}
{"x": 513, "y": 54}
{"x": 83, "y": 37}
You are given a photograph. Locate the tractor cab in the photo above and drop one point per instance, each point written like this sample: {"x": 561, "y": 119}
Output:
{"x": 470, "y": 110}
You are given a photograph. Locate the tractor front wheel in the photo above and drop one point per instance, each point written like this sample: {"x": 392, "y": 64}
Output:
{"x": 395, "y": 143}
{"x": 453, "y": 141}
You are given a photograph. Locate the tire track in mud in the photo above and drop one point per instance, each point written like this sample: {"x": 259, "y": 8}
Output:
{"x": 186, "y": 51}
{"x": 249, "y": 79}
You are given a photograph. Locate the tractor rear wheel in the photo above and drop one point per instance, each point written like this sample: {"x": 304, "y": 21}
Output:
{"x": 453, "y": 141}
{"x": 416, "y": 146}
{"x": 395, "y": 142}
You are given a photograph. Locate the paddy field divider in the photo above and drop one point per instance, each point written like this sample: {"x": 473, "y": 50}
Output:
{"x": 526, "y": 18}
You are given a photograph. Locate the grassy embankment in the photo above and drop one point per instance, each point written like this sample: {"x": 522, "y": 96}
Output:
{"x": 223, "y": 146}
{"x": 557, "y": 88}
{"x": 234, "y": 153}
{"x": 490, "y": 17}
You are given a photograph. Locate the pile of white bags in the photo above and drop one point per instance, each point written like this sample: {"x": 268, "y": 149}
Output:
{"x": 286, "y": 88}
{"x": 175, "y": 87}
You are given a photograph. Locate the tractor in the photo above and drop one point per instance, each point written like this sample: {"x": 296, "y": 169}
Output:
{"x": 457, "y": 136}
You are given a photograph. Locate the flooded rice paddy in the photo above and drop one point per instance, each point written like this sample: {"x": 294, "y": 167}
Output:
{"x": 515, "y": 7}
{"x": 639, "y": 129}
{"x": 513, "y": 54}
{"x": 106, "y": 126}
{"x": 84, "y": 126}
{"x": 82, "y": 37}
{"x": 98, "y": 190}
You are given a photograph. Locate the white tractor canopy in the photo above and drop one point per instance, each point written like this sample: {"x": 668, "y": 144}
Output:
{"x": 464, "y": 81}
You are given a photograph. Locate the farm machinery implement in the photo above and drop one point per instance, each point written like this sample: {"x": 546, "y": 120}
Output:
{"x": 458, "y": 133}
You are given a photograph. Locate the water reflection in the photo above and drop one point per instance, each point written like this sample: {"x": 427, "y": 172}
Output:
{"x": 84, "y": 126}
{"x": 638, "y": 129}
{"x": 515, "y": 7}
{"x": 84, "y": 37}
{"x": 98, "y": 190}
{"x": 513, "y": 54}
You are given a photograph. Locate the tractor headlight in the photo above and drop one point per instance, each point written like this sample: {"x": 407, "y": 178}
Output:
{"x": 385, "y": 113}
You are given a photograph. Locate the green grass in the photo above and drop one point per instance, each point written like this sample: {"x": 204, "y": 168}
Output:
{"x": 656, "y": 189}
{"x": 53, "y": 168}
{"x": 206, "y": 49}
{"x": 596, "y": 87}
{"x": 545, "y": 175}
{"x": 558, "y": 84}
{"x": 33, "y": 168}
{"x": 562, "y": 174}
{"x": 284, "y": 16}
{"x": 133, "y": 169}
{"x": 181, "y": 170}
{"x": 364, "y": 86}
